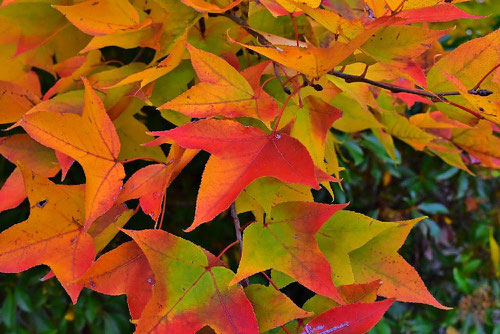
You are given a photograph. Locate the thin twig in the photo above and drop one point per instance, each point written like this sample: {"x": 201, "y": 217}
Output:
{"x": 237, "y": 229}
{"x": 396, "y": 89}
{"x": 222, "y": 253}
{"x": 138, "y": 55}
{"x": 143, "y": 158}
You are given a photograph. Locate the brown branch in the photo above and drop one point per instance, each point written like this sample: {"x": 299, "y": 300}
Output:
{"x": 398, "y": 89}
{"x": 237, "y": 229}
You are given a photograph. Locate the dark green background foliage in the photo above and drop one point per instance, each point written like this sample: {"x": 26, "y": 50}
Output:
{"x": 450, "y": 249}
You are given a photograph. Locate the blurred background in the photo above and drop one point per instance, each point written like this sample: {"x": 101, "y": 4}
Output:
{"x": 453, "y": 250}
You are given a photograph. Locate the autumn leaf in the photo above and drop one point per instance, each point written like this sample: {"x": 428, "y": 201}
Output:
{"x": 90, "y": 139}
{"x": 365, "y": 249}
{"x": 151, "y": 74}
{"x": 34, "y": 156}
{"x": 240, "y": 155}
{"x": 469, "y": 63}
{"x": 401, "y": 128}
{"x": 266, "y": 192}
{"x": 189, "y": 292}
{"x": 440, "y": 13}
{"x": 205, "y": 6}
{"x": 222, "y": 91}
{"x": 12, "y": 192}
{"x": 71, "y": 71}
{"x": 21, "y": 148}
{"x": 286, "y": 242}
{"x": 480, "y": 142}
{"x": 123, "y": 270}
{"x": 265, "y": 300}
{"x": 33, "y": 23}
{"x": 15, "y": 101}
{"x": 331, "y": 20}
{"x": 312, "y": 125}
{"x": 352, "y": 318}
{"x": 107, "y": 226}
{"x": 150, "y": 183}
{"x": 313, "y": 61}
{"x": 274, "y": 91}
{"x": 99, "y": 17}
{"x": 50, "y": 236}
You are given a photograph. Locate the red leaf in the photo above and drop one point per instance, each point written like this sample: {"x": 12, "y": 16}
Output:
{"x": 12, "y": 193}
{"x": 124, "y": 270}
{"x": 441, "y": 13}
{"x": 348, "y": 319}
{"x": 240, "y": 154}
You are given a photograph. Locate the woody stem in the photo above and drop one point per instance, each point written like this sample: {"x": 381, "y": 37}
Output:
{"x": 237, "y": 229}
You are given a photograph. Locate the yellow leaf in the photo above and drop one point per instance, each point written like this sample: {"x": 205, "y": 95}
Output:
{"x": 101, "y": 17}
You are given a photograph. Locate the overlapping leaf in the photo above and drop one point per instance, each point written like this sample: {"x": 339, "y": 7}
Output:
{"x": 190, "y": 292}
{"x": 124, "y": 270}
{"x": 361, "y": 249}
{"x": 265, "y": 300}
{"x": 240, "y": 154}
{"x": 465, "y": 67}
{"x": 21, "y": 148}
{"x": 286, "y": 242}
{"x": 223, "y": 91}
{"x": 100, "y": 17}
{"x": 53, "y": 234}
{"x": 352, "y": 318}
{"x": 89, "y": 138}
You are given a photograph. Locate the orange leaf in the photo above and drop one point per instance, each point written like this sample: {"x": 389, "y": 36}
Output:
{"x": 34, "y": 156}
{"x": 204, "y": 6}
{"x": 480, "y": 142}
{"x": 240, "y": 154}
{"x": 356, "y": 293}
{"x": 101, "y": 17}
{"x": 312, "y": 61}
{"x": 223, "y": 91}
{"x": 66, "y": 162}
{"x": 89, "y": 138}
{"x": 15, "y": 101}
{"x": 123, "y": 270}
{"x": 50, "y": 236}
{"x": 149, "y": 185}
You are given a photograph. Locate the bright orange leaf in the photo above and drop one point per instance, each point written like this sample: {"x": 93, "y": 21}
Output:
{"x": 90, "y": 139}
{"x": 50, "y": 236}
{"x": 124, "y": 270}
